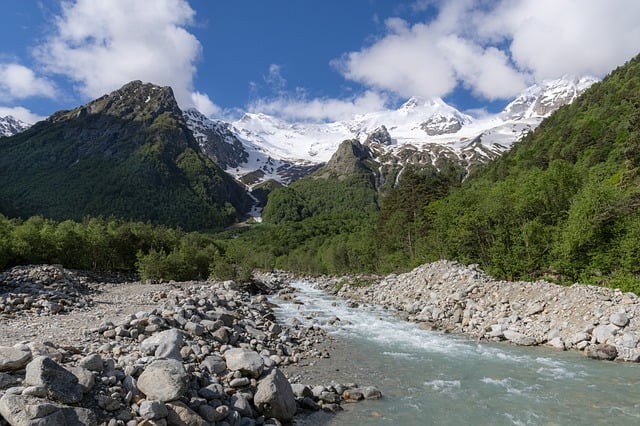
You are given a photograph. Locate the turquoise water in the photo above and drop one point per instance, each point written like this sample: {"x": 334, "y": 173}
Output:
{"x": 434, "y": 378}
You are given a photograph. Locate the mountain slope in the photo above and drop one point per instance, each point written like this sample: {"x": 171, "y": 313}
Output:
{"x": 128, "y": 154}
{"x": 563, "y": 203}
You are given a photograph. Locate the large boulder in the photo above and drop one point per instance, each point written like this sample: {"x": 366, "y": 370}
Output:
{"x": 59, "y": 383}
{"x": 166, "y": 344}
{"x": 605, "y": 352}
{"x": 274, "y": 397}
{"x": 14, "y": 357}
{"x": 21, "y": 410}
{"x": 164, "y": 380}
{"x": 604, "y": 332}
{"x": 248, "y": 362}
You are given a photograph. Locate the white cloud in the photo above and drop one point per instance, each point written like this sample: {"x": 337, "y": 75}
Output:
{"x": 20, "y": 82}
{"x": 274, "y": 78}
{"x": 496, "y": 48}
{"x": 320, "y": 109}
{"x": 102, "y": 45}
{"x": 21, "y": 114}
{"x": 550, "y": 38}
{"x": 205, "y": 105}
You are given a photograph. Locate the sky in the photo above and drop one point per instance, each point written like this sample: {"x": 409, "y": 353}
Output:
{"x": 304, "y": 60}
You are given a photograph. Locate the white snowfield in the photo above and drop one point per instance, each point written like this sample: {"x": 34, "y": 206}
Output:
{"x": 422, "y": 125}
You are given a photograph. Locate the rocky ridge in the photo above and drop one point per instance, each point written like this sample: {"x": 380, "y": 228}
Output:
{"x": 202, "y": 353}
{"x": 10, "y": 126}
{"x": 603, "y": 323}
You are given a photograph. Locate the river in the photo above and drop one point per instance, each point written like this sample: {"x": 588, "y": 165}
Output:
{"x": 430, "y": 377}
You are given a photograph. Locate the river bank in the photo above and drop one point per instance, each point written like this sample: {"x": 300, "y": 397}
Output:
{"x": 600, "y": 322}
{"x": 85, "y": 352}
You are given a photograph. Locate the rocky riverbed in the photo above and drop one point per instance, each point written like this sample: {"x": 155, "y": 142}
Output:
{"x": 75, "y": 350}
{"x": 603, "y": 323}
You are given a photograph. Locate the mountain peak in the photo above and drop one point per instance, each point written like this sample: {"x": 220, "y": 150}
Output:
{"x": 9, "y": 126}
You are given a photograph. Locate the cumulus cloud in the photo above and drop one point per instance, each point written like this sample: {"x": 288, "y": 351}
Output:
{"x": 495, "y": 48}
{"x": 205, "y": 105}
{"x": 101, "y": 45}
{"x": 21, "y": 114}
{"x": 320, "y": 109}
{"x": 20, "y": 82}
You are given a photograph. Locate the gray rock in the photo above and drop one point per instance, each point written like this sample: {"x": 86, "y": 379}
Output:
{"x": 194, "y": 328}
{"x": 274, "y": 397}
{"x": 92, "y": 362}
{"x": 84, "y": 376}
{"x": 214, "y": 364}
{"x": 153, "y": 409}
{"x": 14, "y": 357}
{"x": 164, "y": 379}
{"x": 246, "y": 361}
{"x": 620, "y": 319}
{"x": 60, "y": 383}
{"x": 602, "y": 333}
{"x": 240, "y": 382}
{"x": 181, "y": 415}
{"x": 605, "y": 352}
{"x": 371, "y": 392}
{"x": 7, "y": 380}
{"x": 300, "y": 390}
{"x": 240, "y": 404}
{"x": 20, "y": 410}
{"x": 519, "y": 338}
{"x": 166, "y": 344}
{"x": 557, "y": 342}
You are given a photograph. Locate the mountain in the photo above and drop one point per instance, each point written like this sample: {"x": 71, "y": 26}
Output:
{"x": 427, "y": 132}
{"x": 10, "y": 126}
{"x": 128, "y": 154}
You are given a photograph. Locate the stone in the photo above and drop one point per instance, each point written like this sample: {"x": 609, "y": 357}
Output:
{"x": 92, "y": 362}
{"x": 240, "y": 404}
{"x": 248, "y": 362}
{"x": 604, "y": 352}
{"x": 164, "y": 379}
{"x": 620, "y": 319}
{"x": 352, "y": 395}
{"x": 21, "y": 410}
{"x": 300, "y": 390}
{"x": 84, "y": 376}
{"x": 14, "y": 357}
{"x": 240, "y": 382}
{"x": 557, "y": 342}
{"x": 181, "y": 415}
{"x": 60, "y": 383}
{"x": 604, "y": 332}
{"x": 274, "y": 397}
{"x": 166, "y": 344}
{"x": 371, "y": 392}
{"x": 214, "y": 364}
{"x": 7, "y": 380}
{"x": 519, "y": 338}
{"x": 153, "y": 409}
{"x": 194, "y": 328}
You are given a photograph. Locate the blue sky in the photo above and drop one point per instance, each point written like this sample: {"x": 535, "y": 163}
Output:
{"x": 304, "y": 60}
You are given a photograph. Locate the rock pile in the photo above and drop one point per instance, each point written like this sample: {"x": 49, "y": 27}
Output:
{"x": 43, "y": 289}
{"x": 209, "y": 354}
{"x": 602, "y": 322}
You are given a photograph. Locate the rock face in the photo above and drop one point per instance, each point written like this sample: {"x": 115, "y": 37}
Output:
{"x": 450, "y": 296}
{"x": 274, "y": 397}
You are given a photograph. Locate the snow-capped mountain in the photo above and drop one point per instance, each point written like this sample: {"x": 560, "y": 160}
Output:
{"x": 10, "y": 126}
{"x": 421, "y": 131}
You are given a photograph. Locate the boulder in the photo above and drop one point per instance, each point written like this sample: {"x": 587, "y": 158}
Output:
{"x": 181, "y": 415}
{"x": 602, "y": 333}
{"x": 164, "y": 380}
{"x": 166, "y": 344}
{"x": 519, "y": 338}
{"x": 14, "y": 357}
{"x": 248, "y": 362}
{"x": 92, "y": 362}
{"x": 605, "y": 352}
{"x": 274, "y": 397}
{"x": 153, "y": 409}
{"x": 60, "y": 384}
{"x": 21, "y": 410}
{"x": 214, "y": 364}
{"x": 620, "y": 319}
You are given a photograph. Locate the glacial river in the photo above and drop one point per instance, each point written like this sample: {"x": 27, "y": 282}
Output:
{"x": 431, "y": 378}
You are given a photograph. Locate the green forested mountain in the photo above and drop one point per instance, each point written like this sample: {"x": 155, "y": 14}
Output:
{"x": 128, "y": 154}
{"x": 563, "y": 203}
